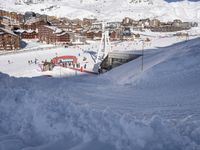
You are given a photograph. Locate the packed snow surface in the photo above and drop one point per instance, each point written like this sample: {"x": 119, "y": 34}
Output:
{"x": 111, "y": 9}
{"x": 124, "y": 109}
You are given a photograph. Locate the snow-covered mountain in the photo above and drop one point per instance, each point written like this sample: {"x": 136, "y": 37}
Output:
{"x": 109, "y": 9}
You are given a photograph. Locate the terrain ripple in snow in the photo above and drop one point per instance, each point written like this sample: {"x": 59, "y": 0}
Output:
{"x": 33, "y": 119}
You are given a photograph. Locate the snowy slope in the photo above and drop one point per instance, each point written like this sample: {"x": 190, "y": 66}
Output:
{"x": 157, "y": 109}
{"x": 112, "y": 9}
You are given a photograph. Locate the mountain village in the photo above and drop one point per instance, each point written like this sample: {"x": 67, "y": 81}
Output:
{"x": 47, "y": 29}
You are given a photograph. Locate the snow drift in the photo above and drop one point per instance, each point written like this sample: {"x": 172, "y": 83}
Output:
{"x": 32, "y": 118}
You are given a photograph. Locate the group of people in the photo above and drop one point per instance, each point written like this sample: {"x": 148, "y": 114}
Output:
{"x": 31, "y": 61}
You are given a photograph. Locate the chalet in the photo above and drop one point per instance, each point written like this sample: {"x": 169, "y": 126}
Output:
{"x": 92, "y": 34}
{"x": 144, "y": 23}
{"x": 63, "y": 38}
{"x": 9, "y": 40}
{"x": 135, "y": 23}
{"x": 115, "y": 35}
{"x": 98, "y": 35}
{"x": 154, "y": 23}
{"x": 20, "y": 18}
{"x": 78, "y": 39}
{"x": 4, "y": 13}
{"x": 76, "y": 27}
{"x": 53, "y": 35}
{"x": 27, "y": 34}
{"x": 89, "y": 34}
{"x": 127, "y": 21}
{"x": 13, "y": 15}
{"x": 33, "y": 24}
{"x": 5, "y": 21}
{"x": 88, "y": 22}
{"x": 67, "y": 27}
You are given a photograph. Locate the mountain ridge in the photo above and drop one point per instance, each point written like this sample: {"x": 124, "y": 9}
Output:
{"x": 113, "y": 10}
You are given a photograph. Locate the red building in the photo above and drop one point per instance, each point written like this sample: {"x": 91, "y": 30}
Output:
{"x": 65, "y": 60}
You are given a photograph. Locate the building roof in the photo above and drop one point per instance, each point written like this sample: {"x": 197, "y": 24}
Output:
{"x": 8, "y": 31}
{"x": 55, "y": 29}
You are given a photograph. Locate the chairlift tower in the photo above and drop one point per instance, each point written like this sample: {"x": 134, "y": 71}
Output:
{"x": 105, "y": 46}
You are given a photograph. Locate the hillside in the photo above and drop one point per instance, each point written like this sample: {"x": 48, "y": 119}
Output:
{"x": 154, "y": 109}
{"x": 111, "y": 9}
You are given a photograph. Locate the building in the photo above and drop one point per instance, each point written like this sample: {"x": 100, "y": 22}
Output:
{"x": 5, "y": 21}
{"x": 88, "y": 22}
{"x": 113, "y": 25}
{"x": 53, "y": 35}
{"x": 127, "y": 21}
{"x": 27, "y": 34}
{"x": 9, "y": 40}
{"x": 144, "y": 23}
{"x": 77, "y": 39}
{"x": 65, "y": 60}
{"x": 33, "y": 24}
{"x": 115, "y": 35}
{"x": 154, "y": 23}
{"x": 89, "y": 34}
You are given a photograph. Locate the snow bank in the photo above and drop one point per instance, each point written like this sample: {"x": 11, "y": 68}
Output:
{"x": 42, "y": 118}
{"x": 166, "y": 66}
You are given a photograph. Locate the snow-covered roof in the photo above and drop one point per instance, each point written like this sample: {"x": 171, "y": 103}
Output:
{"x": 32, "y": 20}
{"x": 19, "y": 30}
{"x": 28, "y": 31}
{"x": 60, "y": 34}
{"x": 55, "y": 29}
{"x": 8, "y": 31}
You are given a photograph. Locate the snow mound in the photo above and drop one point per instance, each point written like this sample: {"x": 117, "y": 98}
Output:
{"x": 34, "y": 115}
{"x": 169, "y": 66}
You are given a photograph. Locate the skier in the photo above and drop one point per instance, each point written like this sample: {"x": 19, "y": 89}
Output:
{"x": 36, "y": 60}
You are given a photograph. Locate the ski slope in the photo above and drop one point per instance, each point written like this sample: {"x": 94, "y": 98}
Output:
{"x": 112, "y": 10}
{"x": 19, "y": 66}
{"x": 124, "y": 109}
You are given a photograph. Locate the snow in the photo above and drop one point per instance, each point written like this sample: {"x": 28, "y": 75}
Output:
{"x": 24, "y": 69}
{"x": 126, "y": 108}
{"x": 110, "y": 10}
